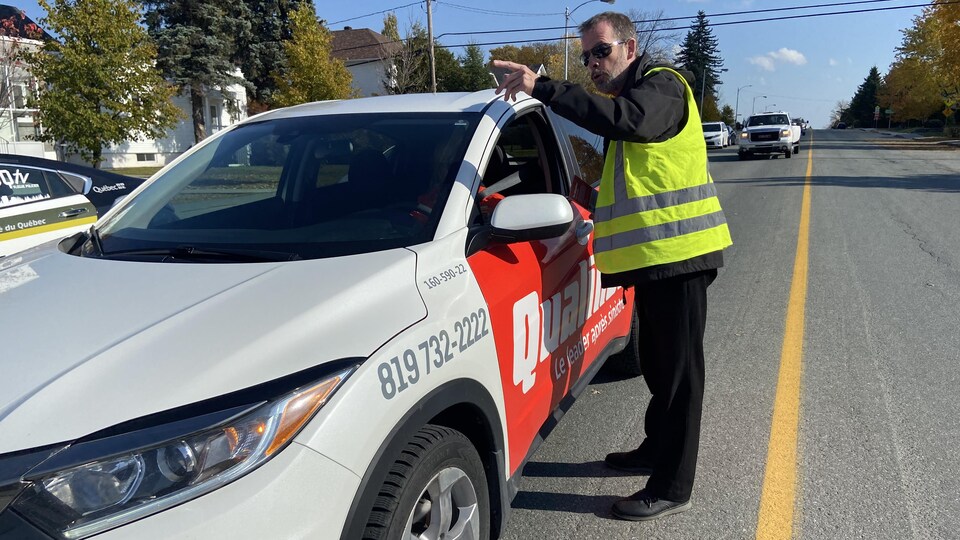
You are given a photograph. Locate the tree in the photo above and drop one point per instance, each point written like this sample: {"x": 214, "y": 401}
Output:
{"x": 838, "y": 112}
{"x": 710, "y": 112}
{"x": 408, "y": 71}
{"x": 910, "y": 91}
{"x": 653, "y": 37}
{"x": 264, "y": 58}
{"x": 699, "y": 54}
{"x": 726, "y": 115}
{"x": 550, "y": 54}
{"x": 864, "y": 101}
{"x": 198, "y": 47}
{"x": 100, "y": 84}
{"x": 473, "y": 74}
{"x": 313, "y": 74}
{"x": 947, "y": 31}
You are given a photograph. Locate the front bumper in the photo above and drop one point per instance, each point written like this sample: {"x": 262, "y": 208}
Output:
{"x": 773, "y": 147}
{"x": 297, "y": 494}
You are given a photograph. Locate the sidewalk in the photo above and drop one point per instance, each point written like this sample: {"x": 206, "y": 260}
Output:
{"x": 914, "y": 136}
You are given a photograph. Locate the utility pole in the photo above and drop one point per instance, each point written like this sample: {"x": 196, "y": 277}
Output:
{"x": 433, "y": 60}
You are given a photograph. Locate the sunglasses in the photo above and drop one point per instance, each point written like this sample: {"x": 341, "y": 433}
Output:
{"x": 601, "y": 50}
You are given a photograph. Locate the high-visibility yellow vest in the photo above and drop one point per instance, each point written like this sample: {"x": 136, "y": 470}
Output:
{"x": 657, "y": 202}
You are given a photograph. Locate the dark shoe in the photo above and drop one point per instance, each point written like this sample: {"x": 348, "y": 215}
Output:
{"x": 641, "y": 506}
{"x": 634, "y": 461}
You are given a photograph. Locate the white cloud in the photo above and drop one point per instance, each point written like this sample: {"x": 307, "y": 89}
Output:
{"x": 789, "y": 56}
{"x": 769, "y": 61}
{"x": 765, "y": 62}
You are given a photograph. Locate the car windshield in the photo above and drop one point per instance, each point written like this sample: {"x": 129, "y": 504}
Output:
{"x": 711, "y": 127}
{"x": 298, "y": 188}
{"x": 767, "y": 120}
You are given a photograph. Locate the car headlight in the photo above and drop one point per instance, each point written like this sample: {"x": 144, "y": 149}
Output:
{"x": 744, "y": 134}
{"x": 784, "y": 132}
{"x": 107, "y": 491}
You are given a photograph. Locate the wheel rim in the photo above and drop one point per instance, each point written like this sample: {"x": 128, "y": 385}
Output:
{"x": 447, "y": 509}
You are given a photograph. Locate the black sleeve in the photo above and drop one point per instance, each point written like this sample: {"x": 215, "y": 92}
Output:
{"x": 652, "y": 110}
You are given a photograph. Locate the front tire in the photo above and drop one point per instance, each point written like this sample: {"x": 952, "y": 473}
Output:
{"x": 788, "y": 154}
{"x": 437, "y": 488}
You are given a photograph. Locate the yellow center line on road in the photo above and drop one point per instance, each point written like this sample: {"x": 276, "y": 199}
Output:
{"x": 775, "y": 520}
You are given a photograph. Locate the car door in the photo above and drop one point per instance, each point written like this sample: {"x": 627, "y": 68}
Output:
{"x": 549, "y": 316}
{"x": 37, "y": 205}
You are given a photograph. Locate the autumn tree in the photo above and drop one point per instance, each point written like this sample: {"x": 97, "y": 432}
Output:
{"x": 100, "y": 84}
{"x": 947, "y": 35}
{"x": 264, "y": 59}
{"x": 312, "y": 74}
{"x": 198, "y": 43}
{"x": 699, "y": 54}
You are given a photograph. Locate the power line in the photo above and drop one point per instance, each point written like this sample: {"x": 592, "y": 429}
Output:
{"x": 769, "y": 19}
{"x": 711, "y": 24}
{"x": 499, "y": 13}
{"x": 375, "y": 13}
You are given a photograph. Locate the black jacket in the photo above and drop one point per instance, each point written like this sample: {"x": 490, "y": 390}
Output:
{"x": 648, "y": 109}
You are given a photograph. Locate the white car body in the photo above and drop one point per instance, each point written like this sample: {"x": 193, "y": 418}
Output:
{"x": 716, "y": 135}
{"x": 155, "y": 351}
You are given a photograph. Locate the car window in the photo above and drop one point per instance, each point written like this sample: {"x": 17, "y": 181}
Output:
{"x": 19, "y": 185}
{"x": 711, "y": 127}
{"x": 316, "y": 186}
{"x": 587, "y": 148}
{"x": 524, "y": 161}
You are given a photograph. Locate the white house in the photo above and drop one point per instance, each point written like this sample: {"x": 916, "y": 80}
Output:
{"x": 18, "y": 126}
{"x": 366, "y": 55}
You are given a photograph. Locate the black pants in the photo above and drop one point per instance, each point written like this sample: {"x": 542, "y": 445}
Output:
{"x": 673, "y": 314}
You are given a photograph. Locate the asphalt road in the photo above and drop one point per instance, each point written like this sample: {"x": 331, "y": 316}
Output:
{"x": 879, "y": 415}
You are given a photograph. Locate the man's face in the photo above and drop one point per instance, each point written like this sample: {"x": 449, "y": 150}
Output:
{"x": 607, "y": 73}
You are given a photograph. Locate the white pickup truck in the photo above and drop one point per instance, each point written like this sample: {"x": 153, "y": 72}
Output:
{"x": 769, "y": 134}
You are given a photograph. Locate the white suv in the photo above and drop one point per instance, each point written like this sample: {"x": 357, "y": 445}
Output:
{"x": 716, "y": 135}
{"x": 352, "y": 319}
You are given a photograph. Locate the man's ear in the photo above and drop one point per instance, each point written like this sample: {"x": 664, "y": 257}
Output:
{"x": 631, "y": 48}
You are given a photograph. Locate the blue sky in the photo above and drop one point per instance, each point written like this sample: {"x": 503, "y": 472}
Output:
{"x": 803, "y": 66}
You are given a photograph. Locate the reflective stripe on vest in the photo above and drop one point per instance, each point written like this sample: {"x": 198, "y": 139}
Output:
{"x": 657, "y": 202}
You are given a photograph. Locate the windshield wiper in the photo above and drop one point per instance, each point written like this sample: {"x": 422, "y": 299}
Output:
{"x": 198, "y": 254}
{"x": 94, "y": 238}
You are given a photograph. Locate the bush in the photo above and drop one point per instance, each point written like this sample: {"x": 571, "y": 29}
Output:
{"x": 952, "y": 131}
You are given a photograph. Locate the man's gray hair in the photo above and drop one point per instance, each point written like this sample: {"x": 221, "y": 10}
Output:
{"x": 622, "y": 26}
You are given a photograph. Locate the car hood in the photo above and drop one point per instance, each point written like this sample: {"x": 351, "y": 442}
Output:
{"x": 769, "y": 127}
{"x": 89, "y": 343}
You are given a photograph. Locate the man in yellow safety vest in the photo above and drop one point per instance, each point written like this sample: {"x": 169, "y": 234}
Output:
{"x": 659, "y": 228}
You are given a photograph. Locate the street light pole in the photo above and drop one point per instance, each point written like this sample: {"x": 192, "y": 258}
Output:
{"x": 703, "y": 85}
{"x": 736, "y": 108}
{"x": 566, "y": 23}
{"x": 753, "y": 108}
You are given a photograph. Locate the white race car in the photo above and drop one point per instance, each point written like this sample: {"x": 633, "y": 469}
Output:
{"x": 351, "y": 319}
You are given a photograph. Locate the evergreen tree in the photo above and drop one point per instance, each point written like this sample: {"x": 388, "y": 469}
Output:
{"x": 726, "y": 115}
{"x": 313, "y": 75}
{"x": 474, "y": 74}
{"x": 264, "y": 58}
{"x": 860, "y": 112}
{"x": 100, "y": 86}
{"x": 700, "y": 55}
{"x": 199, "y": 47}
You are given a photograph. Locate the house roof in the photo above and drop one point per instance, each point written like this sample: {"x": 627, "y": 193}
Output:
{"x": 14, "y": 23}
{"x": 361, "y": 44}
{"x": 499, "y": 73}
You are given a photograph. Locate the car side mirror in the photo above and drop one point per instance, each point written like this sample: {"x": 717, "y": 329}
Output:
{"x": 523, "y": 218}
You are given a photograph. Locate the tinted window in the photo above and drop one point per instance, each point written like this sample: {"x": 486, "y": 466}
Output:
{"x": 711, "y": 127}
{"x": 20, "y": 185}
{"x": 315, "y": 187}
